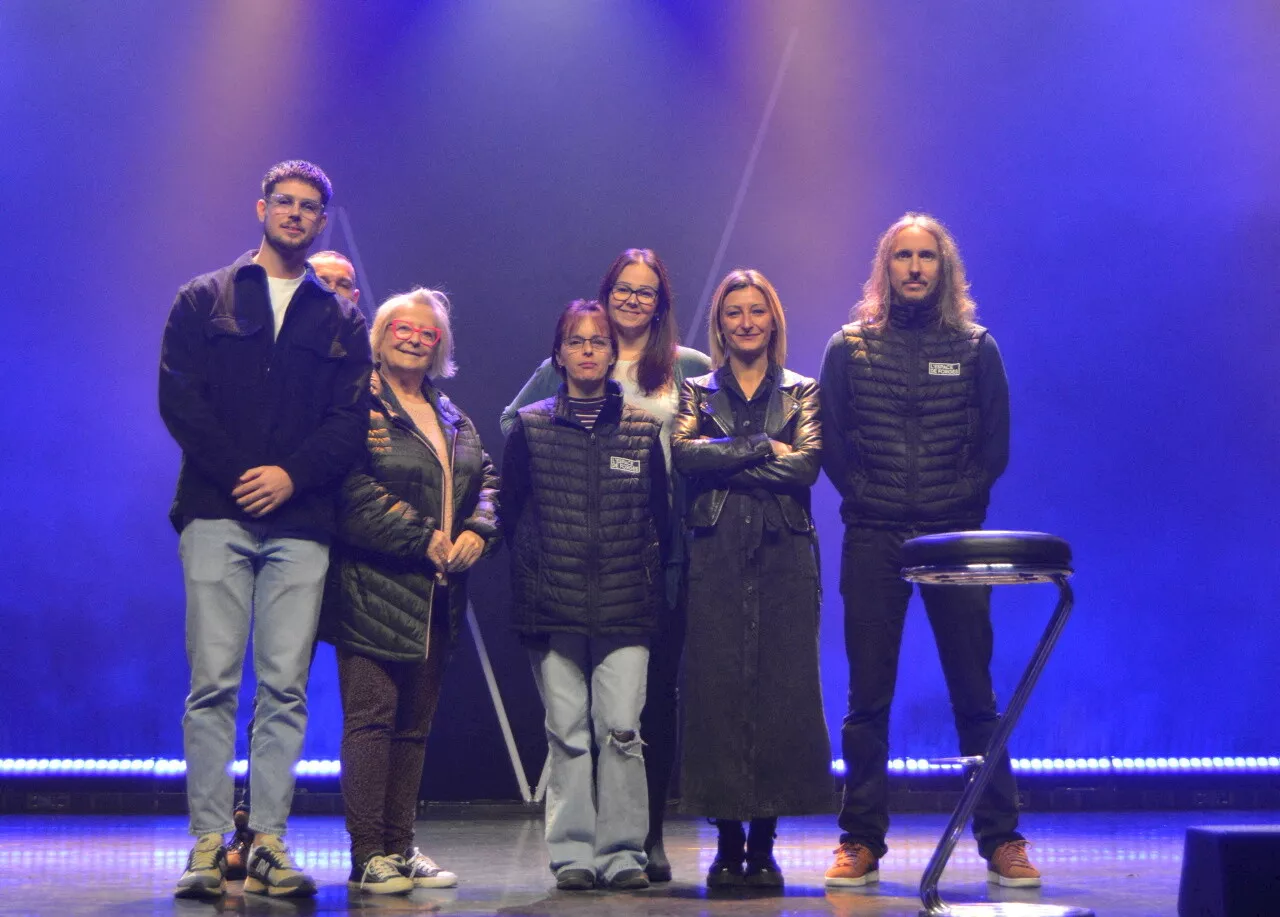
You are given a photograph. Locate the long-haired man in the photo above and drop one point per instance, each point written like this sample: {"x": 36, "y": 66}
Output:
{"x": 915, "y": 415}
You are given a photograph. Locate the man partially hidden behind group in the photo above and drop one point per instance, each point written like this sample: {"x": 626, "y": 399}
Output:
{"x": 263, "y": 375}
{"x": 915, "y": 415}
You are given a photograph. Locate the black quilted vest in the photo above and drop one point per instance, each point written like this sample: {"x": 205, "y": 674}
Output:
{"x": 587, "y": 558}
{"x": 914, "y": 427}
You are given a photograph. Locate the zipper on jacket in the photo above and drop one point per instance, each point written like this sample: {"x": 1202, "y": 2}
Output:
{"x": 913, "y": 421}
{"x": 413, "y": 431}
{"x": 453, "y": 455}
{"x": 593, "y": 533}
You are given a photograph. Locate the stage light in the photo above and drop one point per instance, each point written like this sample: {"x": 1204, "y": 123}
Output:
{"x": 330, "y": 768}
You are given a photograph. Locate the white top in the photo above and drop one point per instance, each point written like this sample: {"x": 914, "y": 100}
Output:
{"x": 282, "y": 290}
{"x": 662, "y": 404}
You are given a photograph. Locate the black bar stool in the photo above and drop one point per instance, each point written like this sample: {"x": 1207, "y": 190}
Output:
{"x": 991, "y": 559}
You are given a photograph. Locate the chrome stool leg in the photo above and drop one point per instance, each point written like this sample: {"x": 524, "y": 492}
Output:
{"x": 934, "y": 906}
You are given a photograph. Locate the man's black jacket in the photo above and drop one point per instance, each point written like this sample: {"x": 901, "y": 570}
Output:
{"x": 236, "y": 397}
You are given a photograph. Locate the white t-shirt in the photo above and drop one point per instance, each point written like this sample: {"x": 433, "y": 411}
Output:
{"x": 282, "y": 290}
{"x": 662, "y": 404}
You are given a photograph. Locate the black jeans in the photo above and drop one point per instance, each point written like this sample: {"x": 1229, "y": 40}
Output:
{"x": 875, "y": 605}
{"x": 659, "y": 721}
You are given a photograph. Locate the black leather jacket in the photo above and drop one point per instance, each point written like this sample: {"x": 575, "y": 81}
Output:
{"x": 705, "y": 449}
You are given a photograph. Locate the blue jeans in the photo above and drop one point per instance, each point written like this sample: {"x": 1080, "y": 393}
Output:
{"x": 594, "y": 685}
{"x": 235, "y": 576}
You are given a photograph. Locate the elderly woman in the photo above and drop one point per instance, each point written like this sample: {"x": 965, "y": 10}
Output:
{"x": 412, "y": 521}
{"x": 649, "y": 366}
{"x": 584, "y": 507}
{"x": 747, "y": 437}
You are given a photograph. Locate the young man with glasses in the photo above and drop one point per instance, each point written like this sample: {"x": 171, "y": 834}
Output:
{"x": 263, "y": 373}
{"x": 338, "y": 273}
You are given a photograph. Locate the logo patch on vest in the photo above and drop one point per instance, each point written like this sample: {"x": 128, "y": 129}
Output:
{"x": 944, "y": 369}
{"x": 625, "y": 465}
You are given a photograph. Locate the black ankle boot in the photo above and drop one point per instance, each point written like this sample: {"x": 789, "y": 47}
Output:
{"x": 658, "y": 869}
{"x": 762, "y": 870}
{"x": 726, "y": 868}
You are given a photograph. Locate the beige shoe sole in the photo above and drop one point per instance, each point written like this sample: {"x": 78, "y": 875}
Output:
{"x": 839, "y": 882}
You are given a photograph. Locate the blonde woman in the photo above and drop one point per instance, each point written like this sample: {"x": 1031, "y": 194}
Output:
{"x": 747, "y": 439}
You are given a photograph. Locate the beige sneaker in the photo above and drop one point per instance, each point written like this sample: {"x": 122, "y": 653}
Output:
{"x": 1010, "y": 867}
{"x": 206, "y": 872}
{"x": 273, "y": 872}
{"x": 854, "y": 866}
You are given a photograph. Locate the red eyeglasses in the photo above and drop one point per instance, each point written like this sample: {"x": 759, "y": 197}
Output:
{"x": 405, "y": 330}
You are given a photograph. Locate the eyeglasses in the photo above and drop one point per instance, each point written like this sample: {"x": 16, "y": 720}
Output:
{"x": 285, "y": 203}
{"x": 646, "y": 296}
{"x": 574, "y": 344}
{"x": 405, "y": 331}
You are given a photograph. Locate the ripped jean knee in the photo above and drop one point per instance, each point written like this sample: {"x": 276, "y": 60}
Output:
{"x": 627, "y": 741}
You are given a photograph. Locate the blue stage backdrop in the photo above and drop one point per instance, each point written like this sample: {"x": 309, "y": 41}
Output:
{"x": 1109, "y": 170}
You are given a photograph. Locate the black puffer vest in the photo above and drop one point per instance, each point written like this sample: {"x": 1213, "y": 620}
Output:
{"x": 914, "y": 425}
{"x": 586, "y": 557}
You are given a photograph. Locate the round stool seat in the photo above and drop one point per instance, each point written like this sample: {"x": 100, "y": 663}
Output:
{"x": 985, "y": 558}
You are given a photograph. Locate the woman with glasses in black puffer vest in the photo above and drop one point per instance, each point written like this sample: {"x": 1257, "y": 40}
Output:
{"x": 584, "y": 511}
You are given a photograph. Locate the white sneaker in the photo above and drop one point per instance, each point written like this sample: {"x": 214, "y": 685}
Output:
{"x": 423, "y": 870}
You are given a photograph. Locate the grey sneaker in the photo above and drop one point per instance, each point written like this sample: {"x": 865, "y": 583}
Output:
{"x": 575, "y": 880}
{"x": 272, "y": 872}
{"x": 206, "y": 872}
{"x": 629, "y": 880}
{"x": 424, "y": 872}
{"x": 380, "y": 875}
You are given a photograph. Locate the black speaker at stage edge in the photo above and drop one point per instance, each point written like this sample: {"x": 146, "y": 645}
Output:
{"x": 1230, "y": 871}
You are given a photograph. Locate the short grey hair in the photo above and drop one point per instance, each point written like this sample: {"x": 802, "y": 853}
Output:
{"x": 442, "y": 365}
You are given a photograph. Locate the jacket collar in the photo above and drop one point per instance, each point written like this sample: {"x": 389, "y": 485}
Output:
{"x": 245, "y": 268}
{"x": 782, "y": 404}
{"x": 905, "y": 315}
{"x": 610, "y": 414}
{"x": 381, "y": 391}
{"x": 245, "y": 265}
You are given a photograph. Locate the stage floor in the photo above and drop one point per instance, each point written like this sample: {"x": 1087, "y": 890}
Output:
{"x": 1118, "y": 864}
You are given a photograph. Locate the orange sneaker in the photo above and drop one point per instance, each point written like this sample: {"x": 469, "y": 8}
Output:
{"x": 854, "y": 866}
{"x": 1010, "y": 867}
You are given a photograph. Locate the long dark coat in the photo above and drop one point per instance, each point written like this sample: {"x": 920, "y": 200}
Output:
{"x": 755, "y": 741}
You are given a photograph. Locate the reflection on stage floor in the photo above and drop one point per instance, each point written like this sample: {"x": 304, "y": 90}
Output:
{"x": 1119, "y": 864}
